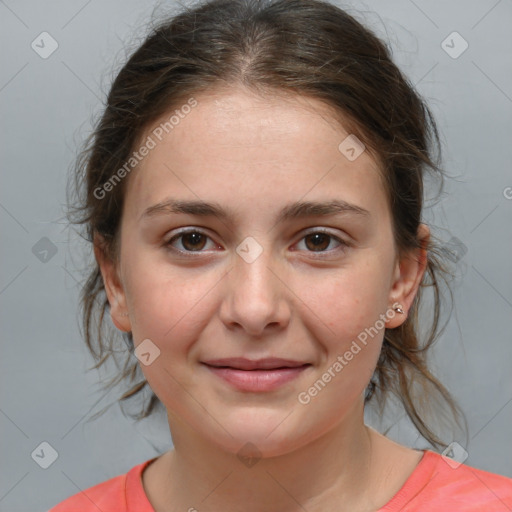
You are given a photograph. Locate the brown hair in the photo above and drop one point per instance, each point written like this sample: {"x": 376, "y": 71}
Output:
{"x": 306, "y": 47}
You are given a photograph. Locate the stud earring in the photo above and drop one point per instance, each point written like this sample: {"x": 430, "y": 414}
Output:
{"x": 398, "y": 309}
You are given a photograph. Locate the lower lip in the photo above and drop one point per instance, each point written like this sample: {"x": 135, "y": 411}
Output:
{"x": 257, "y": 380}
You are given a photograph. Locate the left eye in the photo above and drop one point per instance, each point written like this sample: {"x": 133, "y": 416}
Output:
{"x": 320, "y": 240}
{"x": 195, "y": 241}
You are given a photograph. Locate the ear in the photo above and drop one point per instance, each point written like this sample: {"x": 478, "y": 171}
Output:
{"x": 407, "y": 279}
{"x": 113, "y": 286}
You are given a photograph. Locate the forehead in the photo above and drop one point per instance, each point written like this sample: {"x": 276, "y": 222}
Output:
{"x": 234, "y": 145}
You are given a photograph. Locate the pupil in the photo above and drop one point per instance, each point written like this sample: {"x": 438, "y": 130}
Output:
{"x": 319, "y": 237}
{"x": 195, "y": 237}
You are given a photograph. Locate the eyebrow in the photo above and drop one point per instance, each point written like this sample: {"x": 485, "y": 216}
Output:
{"x": 295, "y": 210}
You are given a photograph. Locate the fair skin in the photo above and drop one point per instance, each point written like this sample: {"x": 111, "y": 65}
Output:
{"x": 296, "y": 300}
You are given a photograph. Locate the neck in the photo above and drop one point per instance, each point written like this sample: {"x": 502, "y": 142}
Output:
{"x": 335, "y": 468}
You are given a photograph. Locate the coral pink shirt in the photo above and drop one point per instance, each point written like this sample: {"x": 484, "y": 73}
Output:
{"x": 434, "y": 486}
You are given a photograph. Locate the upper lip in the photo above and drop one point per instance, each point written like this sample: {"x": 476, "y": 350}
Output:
{"x": 242, "y": 363}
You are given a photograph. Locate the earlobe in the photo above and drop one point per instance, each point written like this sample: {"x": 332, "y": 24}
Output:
{"x": 113, "y": 286}
{"x": 408, "y": 276}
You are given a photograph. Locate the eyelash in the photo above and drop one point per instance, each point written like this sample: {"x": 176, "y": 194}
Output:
{"x": 190, "y": 254}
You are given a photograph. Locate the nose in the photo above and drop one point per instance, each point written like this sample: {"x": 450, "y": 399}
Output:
{"x": 256, "y": 295}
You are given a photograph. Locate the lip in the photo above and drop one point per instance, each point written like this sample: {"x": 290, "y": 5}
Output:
{"x": 268, "y": 363}
{"x": 256, "y": 376}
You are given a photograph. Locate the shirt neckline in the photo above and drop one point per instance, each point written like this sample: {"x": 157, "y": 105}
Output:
{"x": 137, "y": 500}
{"x": 416, "y": 482}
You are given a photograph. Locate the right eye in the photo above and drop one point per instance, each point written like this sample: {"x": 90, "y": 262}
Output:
{"x": 192, "y": 240}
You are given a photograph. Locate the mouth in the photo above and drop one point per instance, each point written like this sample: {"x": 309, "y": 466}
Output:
{"x": 256, "y": 376}
{"x": 240, "y": 363}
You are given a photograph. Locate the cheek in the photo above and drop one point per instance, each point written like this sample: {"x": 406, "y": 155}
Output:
{"x": 168, "y": 303}
{"x": 350, "y": 347}
{"x": 351, "y": 308}
{"x": 354, "y": 298}
{"x": 163, "y": 307}
{"x": 171, "y": 311}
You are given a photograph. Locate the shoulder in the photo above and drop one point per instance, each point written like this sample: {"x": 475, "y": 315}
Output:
{"x": 116, "y": 494}
{"x": 467, "y": 484}
{"x": 440, "y": 484}
{"x": 106, "y": 496}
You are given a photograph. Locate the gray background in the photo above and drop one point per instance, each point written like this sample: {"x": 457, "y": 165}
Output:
{"x": 47, "y": 106}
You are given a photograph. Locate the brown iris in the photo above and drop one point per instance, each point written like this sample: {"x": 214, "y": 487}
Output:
{"x": 195, "y": 239}
{"x": 319, "y": 240}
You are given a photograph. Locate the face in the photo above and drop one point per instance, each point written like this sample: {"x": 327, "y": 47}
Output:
{"x": 253, "y": 283}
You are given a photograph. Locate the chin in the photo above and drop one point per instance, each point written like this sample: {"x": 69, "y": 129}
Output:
{"x": 260, "y": 434}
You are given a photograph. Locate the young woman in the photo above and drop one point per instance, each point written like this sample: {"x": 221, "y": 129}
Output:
{"x": 254, "y": 194}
